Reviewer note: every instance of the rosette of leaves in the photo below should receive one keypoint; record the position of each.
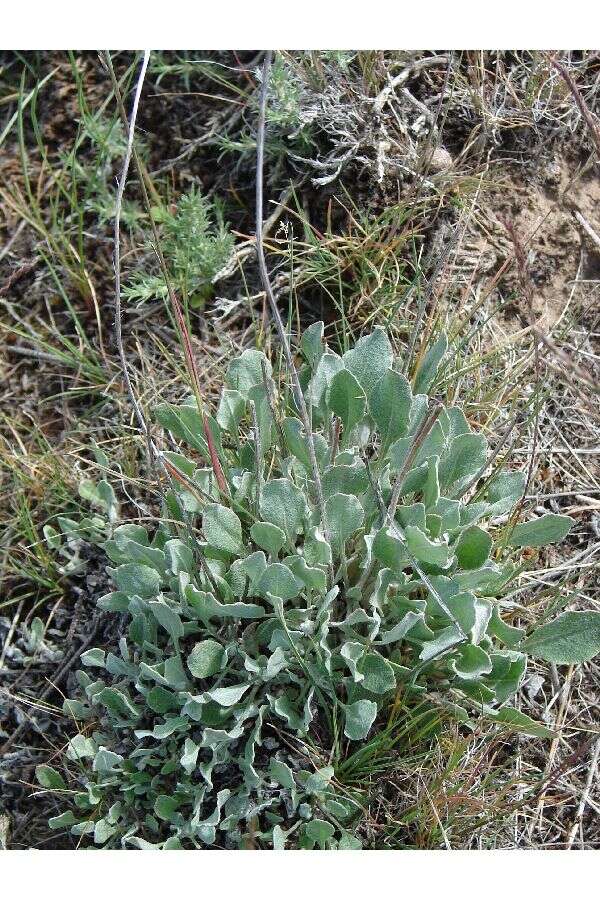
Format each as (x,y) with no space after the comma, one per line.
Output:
(279,609)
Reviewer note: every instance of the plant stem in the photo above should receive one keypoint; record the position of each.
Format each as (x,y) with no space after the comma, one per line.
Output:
(296,387)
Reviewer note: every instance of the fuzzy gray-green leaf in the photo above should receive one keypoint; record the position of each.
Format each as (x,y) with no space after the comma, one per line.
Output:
(539,532)
(168,618)
(245,371)
(424,549)
(283,504)
(206,658)
(278,581)
(344,517)
(136,579)
(231,409)
(473,547)
(268,536)
(573,637)
(50,778)
(378,674)
(465,457)
(347,399)
(520,722)
(222,529)
(370,359)
(360,715)
(311,343)
(345,479)
(430,364)
(389,406)
(184,422)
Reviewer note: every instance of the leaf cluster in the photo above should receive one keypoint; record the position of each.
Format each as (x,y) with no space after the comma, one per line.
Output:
(265,633)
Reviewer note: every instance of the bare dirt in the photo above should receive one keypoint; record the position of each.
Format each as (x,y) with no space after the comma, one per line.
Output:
(549,207)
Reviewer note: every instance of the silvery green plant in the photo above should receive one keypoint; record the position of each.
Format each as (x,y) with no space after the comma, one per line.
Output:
(295,589)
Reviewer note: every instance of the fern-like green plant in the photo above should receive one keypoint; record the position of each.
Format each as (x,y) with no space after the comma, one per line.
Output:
(196,245)
(277,612)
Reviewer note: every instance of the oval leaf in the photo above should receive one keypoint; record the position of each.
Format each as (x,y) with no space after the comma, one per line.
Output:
(347,399)
(206,659)
(344,517)
(268,536)
(473,548)
(136,579)
(223,529)
(390,405)
(369,359)
(283,504)
(574,637)
(360,715)
(539,532)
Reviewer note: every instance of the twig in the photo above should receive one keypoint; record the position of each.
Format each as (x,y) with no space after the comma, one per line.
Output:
(117,251)
(422,432)
(11,631)
(182,330)
(583,107)
(335,443)
(34,354)
(257,453)
(587,228)
(269,391)
(416,66)
(247,248)
(12,240)
(296,387)
(214,457)
(153,452)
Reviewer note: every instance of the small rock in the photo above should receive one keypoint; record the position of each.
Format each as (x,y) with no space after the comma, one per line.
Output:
(440,160)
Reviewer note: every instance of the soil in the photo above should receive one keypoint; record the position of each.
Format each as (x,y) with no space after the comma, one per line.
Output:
(542,204)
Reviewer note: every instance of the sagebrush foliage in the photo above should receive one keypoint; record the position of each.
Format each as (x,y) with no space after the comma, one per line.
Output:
(261,641)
